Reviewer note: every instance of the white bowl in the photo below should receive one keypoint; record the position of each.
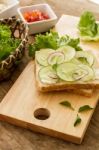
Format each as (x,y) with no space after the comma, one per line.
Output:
(10,10)
(39,26)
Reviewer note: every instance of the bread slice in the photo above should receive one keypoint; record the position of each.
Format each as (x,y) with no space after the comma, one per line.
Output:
(61,86)
(83,92)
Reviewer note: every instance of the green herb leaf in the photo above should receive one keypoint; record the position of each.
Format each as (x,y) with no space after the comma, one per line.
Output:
(77,121)
(85,108)
(67,104)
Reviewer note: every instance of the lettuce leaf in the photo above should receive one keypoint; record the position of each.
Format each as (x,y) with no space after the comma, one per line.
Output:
(7,46)
(7,43)
(5,32)
(52,40)
(88,28)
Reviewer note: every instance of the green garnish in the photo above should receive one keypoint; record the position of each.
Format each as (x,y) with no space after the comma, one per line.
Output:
(67,104)
(83,60)
(88,28)
(7,43)
(53,41)
(54,67)
(85,108)
(77,121)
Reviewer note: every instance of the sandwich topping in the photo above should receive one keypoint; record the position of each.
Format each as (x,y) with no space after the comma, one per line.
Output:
(65,64)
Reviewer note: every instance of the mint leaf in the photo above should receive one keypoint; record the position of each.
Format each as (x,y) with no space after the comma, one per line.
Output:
(77,121)
(85,108)
(67,104)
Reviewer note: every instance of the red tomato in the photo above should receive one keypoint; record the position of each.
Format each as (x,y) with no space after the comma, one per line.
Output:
(26,16)
(45,16)
(35,15)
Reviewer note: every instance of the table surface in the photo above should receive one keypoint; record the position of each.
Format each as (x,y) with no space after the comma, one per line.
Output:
(16,138)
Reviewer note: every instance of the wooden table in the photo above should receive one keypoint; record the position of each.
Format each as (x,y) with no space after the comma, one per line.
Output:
(15,138)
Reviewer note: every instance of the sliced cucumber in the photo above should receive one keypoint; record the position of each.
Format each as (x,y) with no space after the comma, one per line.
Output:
(73,72)
(75,61)
(85,57)
(68,51)
(79,73)
(87,72)
(65,71)
(42,55)
(48,75)
(56,58)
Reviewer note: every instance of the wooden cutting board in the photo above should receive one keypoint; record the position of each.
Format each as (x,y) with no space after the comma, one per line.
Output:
(25,106)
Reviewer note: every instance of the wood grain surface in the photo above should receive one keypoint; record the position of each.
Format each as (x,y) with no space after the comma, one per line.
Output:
(26,107)
(15,138)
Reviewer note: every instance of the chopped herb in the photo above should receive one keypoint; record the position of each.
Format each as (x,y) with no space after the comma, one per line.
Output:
(67,104)
(85,108)
(77,121)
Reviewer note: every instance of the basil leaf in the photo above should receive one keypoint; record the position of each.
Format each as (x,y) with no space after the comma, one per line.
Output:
(77,121)
(84,108)
(67,104)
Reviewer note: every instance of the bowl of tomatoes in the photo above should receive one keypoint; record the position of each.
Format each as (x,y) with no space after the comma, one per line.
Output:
(39,18)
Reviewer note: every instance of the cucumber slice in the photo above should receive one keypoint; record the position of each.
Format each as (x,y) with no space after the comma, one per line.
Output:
(73,72)
(48,75)
(65,71)
(56,58)
(42,55)
(68,51)
(75,61)
(85,57)
(90,75)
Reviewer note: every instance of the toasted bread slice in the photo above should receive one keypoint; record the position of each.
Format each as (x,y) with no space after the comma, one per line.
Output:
(83,92)
(61,86)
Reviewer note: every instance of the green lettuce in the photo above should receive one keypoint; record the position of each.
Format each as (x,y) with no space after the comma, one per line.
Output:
(5,32)
(7,43)
(88,28)
(52,40)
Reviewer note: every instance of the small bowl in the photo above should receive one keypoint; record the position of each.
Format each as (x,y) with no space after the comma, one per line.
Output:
(10,10)
(39,26)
